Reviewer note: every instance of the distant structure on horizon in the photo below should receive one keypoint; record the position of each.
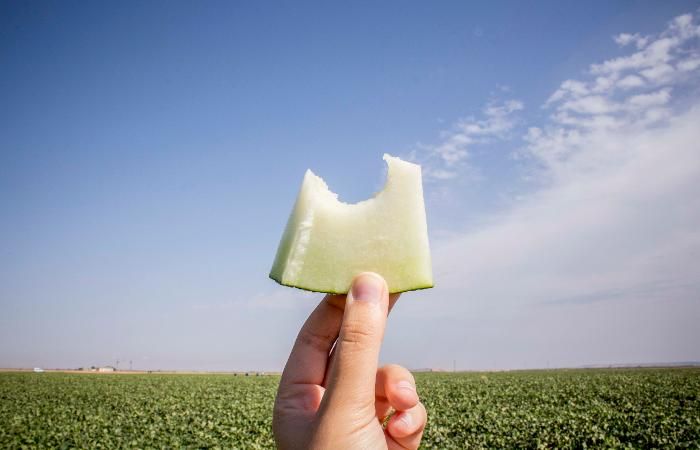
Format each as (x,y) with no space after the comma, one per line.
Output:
(106,369)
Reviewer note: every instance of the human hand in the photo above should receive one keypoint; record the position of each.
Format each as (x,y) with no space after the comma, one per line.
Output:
(334,396)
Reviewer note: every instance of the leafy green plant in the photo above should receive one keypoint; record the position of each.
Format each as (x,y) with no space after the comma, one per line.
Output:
(624,408)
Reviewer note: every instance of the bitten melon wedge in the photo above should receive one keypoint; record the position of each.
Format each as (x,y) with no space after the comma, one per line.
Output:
(328,242)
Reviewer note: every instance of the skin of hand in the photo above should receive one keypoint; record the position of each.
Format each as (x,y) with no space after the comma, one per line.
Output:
(332,395)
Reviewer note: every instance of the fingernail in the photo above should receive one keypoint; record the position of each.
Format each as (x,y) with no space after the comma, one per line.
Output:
(367,287)
(406,385)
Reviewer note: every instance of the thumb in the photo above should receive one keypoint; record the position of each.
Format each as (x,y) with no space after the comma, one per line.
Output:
(353,371)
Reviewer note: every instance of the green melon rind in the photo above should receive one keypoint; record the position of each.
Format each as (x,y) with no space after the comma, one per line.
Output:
(418,288)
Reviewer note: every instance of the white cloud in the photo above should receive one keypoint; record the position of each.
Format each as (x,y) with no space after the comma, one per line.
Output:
(630,91)
(660,97)
(448,159)
(688,65)
(598,264)
(613,240)
(630,81)
(571,88)
(658,52)
(621,210)
(626,39)
(660,59)
(658,73)
(592,104)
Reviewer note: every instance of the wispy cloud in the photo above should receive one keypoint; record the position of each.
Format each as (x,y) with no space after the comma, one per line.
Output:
(627,38)
(449,158)
(612,228)
(662,59)
(627,94)
(622,212)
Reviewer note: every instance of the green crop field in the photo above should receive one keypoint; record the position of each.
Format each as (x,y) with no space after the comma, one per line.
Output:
(634,408)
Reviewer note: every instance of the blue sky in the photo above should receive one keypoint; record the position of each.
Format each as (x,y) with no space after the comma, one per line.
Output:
(150,154)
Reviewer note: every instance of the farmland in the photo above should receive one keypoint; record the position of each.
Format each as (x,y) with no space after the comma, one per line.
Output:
(562,408)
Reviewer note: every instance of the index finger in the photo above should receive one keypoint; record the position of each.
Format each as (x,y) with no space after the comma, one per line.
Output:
(309,357)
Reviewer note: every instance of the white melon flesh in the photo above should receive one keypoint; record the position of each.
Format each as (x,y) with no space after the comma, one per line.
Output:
(328,242)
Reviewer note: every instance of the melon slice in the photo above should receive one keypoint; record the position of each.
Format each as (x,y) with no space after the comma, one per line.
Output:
(328,242)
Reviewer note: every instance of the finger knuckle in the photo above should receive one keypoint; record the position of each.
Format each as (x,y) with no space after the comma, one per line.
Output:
(357,333)
(317,341)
